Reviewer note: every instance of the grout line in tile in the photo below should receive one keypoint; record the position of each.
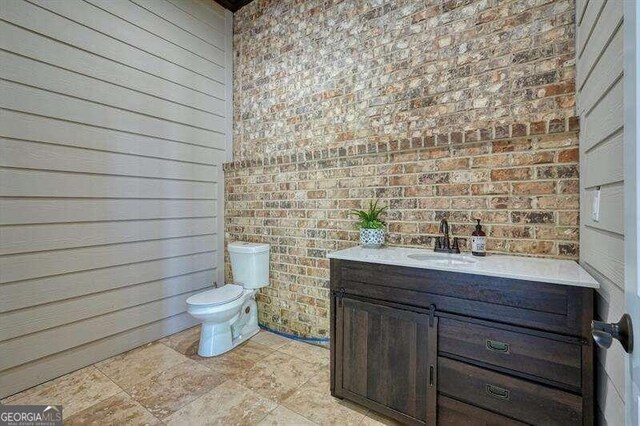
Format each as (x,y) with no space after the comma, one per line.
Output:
(267,413)
(127,393)
(196,399)
(300,414)
(133,398)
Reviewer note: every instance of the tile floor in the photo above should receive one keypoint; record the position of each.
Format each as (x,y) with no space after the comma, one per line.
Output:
(269,380)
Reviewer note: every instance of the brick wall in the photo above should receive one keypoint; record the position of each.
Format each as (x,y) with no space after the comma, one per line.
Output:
(456,109)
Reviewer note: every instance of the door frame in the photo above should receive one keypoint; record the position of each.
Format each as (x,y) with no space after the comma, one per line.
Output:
(631,58)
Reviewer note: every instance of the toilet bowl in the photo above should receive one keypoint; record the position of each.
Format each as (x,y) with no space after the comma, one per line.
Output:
(229,314)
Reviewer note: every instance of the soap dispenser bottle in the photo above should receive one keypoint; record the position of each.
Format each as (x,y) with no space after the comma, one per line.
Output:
(478,241)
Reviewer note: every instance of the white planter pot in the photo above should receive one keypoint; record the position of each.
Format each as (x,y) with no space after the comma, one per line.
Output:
(371,238)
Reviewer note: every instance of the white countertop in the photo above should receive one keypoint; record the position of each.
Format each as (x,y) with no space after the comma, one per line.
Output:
(555,271)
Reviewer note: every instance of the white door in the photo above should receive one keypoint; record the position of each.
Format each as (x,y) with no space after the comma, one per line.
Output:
(632,203)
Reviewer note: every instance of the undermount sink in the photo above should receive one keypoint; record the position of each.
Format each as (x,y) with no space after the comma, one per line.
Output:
(443,259)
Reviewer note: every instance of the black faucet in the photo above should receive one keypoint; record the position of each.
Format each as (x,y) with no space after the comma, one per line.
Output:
(443,243)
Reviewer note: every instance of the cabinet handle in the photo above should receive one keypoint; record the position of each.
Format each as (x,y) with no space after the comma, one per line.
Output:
(431,376)
(495,346)
(497,392)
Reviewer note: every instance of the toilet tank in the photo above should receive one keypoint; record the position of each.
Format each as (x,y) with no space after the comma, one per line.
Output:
(249,264)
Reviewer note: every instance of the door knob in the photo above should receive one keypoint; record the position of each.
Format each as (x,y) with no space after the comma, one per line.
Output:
(604,333)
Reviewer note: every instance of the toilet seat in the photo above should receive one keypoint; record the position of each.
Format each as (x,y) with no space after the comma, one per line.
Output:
(217,296)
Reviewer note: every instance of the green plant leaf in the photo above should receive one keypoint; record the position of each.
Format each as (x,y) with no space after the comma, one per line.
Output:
(370,218)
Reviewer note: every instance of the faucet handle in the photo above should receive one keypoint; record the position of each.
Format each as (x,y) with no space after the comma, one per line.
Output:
(437,243)
(456,247)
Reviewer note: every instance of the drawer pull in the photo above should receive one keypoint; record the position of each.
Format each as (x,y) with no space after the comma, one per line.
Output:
(495,346)
(497,392)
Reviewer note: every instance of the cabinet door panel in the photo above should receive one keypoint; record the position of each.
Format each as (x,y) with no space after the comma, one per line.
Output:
(385,353)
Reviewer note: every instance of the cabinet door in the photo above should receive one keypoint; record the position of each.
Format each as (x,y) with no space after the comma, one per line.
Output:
(384,359)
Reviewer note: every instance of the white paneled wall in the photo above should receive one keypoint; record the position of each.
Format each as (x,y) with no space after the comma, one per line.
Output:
(599,85)
(115,120)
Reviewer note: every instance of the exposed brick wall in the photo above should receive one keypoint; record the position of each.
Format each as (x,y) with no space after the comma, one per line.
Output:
(456,109)
(525,190)
(333,73)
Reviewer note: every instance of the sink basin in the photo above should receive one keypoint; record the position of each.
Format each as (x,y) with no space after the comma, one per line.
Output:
(443,259)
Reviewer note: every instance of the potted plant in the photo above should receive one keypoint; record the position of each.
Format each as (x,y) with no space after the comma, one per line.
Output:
(371,226)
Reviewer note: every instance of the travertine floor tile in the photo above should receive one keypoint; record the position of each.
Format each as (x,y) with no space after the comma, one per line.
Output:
(166,381)
(170,390)
(185,342)
(120,409)
(282,416)
(375,419)
(279,375)
(271,340)
(306,352)
(140,364)
(237,361)
(75,391)
(228,404)
(314,401)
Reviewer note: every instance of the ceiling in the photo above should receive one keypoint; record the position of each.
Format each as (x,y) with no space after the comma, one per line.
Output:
(233,5)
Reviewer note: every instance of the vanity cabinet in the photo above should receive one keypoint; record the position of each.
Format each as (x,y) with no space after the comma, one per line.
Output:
(438,347)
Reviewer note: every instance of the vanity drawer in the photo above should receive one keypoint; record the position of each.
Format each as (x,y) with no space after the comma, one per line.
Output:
(455,413)
(516,398)
(551,359)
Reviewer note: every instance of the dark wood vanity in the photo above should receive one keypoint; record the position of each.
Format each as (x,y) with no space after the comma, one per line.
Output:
(433,347)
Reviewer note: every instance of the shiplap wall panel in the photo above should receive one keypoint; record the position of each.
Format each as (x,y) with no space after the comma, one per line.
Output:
(29,238)
(605,252)
(114,122)
(45,50)
(146,20)
(61,29)
(24,126)
(587,19)
(601,79)
(37,74)
(610,151)
(602,31)
(22,376)
(39,183)
(41,264)
(580,9)
(181,19)
(37,155)
(26,321)
(21,211)
(600,91)
(29,347)
(611,208)
(18,97)
(24,294)
(125,32)
(604,119)
(212,16)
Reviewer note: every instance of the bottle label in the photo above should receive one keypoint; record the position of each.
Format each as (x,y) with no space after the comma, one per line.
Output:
(478,244)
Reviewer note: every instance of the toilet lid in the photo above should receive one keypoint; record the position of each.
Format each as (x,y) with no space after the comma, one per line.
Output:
(217,296)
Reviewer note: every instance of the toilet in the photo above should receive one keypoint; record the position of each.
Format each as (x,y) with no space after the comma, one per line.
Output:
(229,314)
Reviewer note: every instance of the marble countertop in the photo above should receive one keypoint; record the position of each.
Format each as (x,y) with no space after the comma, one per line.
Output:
(555,271)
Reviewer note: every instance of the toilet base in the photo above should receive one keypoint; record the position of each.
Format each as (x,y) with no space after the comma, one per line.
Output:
(218,338)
